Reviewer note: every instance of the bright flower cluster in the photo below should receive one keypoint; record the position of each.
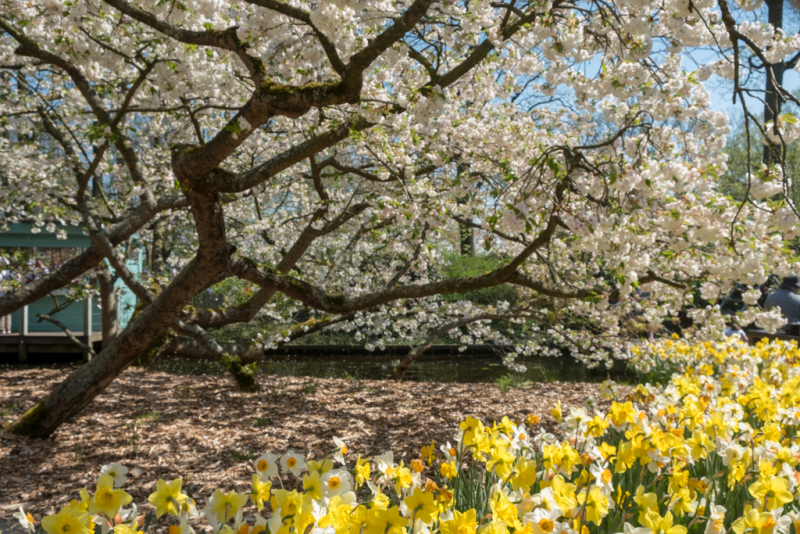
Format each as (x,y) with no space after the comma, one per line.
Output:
(713,451)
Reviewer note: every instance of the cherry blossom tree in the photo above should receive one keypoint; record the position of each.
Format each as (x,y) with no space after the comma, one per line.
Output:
(326,155)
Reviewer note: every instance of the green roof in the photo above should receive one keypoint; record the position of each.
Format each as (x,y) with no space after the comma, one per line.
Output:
(20,235)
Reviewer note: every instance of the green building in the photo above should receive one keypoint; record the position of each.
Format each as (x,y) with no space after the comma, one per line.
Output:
(73,317)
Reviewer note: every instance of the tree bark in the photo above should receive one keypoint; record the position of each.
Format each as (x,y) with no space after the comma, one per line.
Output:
(158,253)
(772,100)
(108,303)
(89,380)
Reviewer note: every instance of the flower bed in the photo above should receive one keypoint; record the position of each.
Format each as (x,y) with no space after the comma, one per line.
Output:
(712,451)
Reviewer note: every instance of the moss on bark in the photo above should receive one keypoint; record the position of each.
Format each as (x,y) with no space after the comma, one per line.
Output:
(244,375)
(29,424)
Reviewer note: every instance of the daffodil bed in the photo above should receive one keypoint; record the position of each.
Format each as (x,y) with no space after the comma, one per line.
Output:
(714,450)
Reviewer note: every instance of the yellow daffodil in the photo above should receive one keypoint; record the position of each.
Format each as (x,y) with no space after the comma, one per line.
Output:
(754,522)
(525,473)
(225,505)
(462,523)
(107,500)
(504,510)
(448,470)
(421,506)
(125,528)
(260,492)
(68,521)
(168,497)
(385,521)
(556,412)
(312,484)
(401,476)
(772,493)
(700,444)
(362,471)
(427,452)
(501,462)
(662,525)
(471,427)
(321,467)
(595,504)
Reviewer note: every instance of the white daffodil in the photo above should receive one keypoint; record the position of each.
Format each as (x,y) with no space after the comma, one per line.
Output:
(183,528)
(130,514)
(275,522)
(547,498)
(543,438)
(340,452)
(716,519)
(782,522)
(576,420)
(210,515)
(117,472)
(602,477)
(26,520)
(291,461)
(523,500)
(385,463)
(627,528)
(794,517)
(266,466)
(336,482)
(520,439)
(102,522)
(450,452)
(543,521)
(188,509)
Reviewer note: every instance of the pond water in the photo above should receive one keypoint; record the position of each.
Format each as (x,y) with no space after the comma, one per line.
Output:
(355,363)
(462,368)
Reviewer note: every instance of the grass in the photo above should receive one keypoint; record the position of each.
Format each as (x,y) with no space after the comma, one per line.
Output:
(262,421)
(149,416)
(509,381)
(244,454)
(544,373)
(6,411)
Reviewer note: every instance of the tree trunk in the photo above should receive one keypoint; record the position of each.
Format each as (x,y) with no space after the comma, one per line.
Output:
(108,303)
(89,380)
(157,256)
(772,101)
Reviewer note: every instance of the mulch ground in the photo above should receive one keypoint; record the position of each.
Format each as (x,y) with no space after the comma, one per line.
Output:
(200,428)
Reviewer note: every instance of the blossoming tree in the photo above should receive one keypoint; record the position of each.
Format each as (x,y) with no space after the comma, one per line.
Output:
(329,152)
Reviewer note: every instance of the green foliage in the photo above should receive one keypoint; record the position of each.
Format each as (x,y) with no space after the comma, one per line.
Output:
(241,455)
(462,266)
(546,376)
(511,380)
(149,416)
(734,182)
(262,421)
(660,373)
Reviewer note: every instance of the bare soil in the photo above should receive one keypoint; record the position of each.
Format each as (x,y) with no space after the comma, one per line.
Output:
(200,428)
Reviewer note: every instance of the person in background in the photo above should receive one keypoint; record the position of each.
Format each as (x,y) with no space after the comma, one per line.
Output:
(787,299)
(734,329)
